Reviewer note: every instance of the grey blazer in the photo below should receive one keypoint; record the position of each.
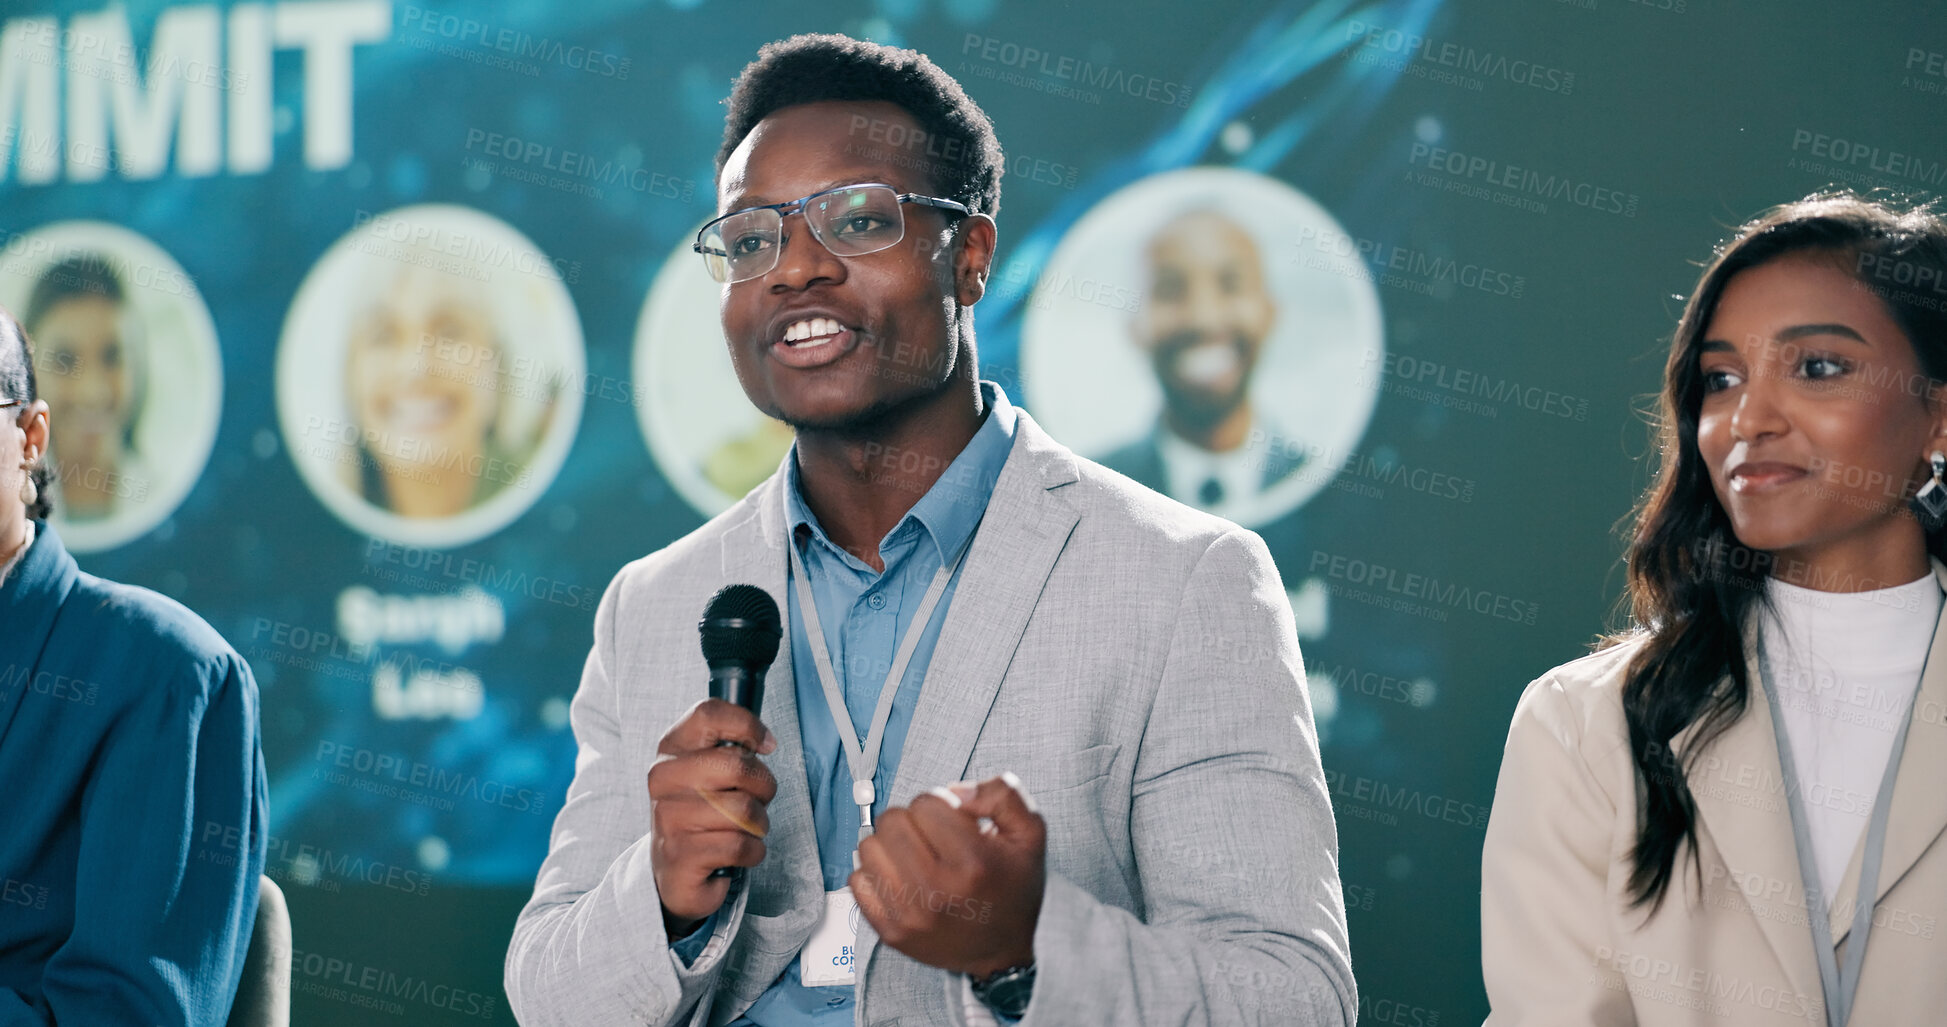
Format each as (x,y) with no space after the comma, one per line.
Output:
(1132,659)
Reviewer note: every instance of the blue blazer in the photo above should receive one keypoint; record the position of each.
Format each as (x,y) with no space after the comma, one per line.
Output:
(132,803)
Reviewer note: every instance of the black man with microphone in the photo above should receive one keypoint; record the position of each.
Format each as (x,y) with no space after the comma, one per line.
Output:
(1011,765)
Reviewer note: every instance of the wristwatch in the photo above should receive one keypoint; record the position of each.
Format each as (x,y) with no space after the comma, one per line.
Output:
(1008,991)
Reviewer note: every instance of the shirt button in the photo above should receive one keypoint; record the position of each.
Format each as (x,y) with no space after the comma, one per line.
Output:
(835,1000)
(876,600)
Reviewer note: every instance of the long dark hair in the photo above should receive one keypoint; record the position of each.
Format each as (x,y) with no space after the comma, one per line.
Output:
(1691,583)
(17,382)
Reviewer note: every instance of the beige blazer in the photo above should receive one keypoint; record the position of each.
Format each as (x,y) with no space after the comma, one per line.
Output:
(1730,946)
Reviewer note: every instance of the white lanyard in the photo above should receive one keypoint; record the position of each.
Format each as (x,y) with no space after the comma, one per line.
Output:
(1839,985)
(864,758)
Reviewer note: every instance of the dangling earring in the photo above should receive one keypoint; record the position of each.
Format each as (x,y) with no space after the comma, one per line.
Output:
(28,491)
(1930,503)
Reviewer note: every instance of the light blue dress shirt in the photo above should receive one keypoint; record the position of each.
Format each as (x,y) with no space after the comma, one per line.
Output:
(864,615)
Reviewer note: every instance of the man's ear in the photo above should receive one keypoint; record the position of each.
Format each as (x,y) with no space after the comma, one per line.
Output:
(974,259)
(33,424)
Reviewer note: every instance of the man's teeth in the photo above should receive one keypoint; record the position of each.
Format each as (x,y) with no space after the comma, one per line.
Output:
(812,328)
(1209,363)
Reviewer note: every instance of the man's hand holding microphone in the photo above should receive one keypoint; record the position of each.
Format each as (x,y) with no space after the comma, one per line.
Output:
(708,791)
(708,794)
(981,846)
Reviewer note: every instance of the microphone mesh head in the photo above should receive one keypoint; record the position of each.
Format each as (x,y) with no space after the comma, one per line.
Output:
(741,625)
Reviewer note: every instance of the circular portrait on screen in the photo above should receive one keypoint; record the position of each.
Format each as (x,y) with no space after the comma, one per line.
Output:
(1180,336)
(429,377)
(710,443)
(125,354)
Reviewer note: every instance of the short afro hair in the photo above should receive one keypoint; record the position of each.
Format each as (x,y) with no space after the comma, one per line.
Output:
(812,68)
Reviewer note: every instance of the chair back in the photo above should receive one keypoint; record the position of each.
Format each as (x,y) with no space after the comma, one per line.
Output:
(264,994)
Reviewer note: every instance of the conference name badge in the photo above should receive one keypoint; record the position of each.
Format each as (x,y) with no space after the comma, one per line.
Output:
(827,958)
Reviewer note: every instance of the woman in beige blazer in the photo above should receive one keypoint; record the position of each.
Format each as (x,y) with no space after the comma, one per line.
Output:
(1643,858)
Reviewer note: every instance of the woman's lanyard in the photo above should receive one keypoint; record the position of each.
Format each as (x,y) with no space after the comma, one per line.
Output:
(1839,985)
(864,758)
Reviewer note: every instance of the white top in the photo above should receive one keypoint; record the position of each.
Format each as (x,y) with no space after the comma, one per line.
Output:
(1845,666)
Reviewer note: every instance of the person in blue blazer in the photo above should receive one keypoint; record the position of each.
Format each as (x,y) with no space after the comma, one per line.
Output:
(132,791)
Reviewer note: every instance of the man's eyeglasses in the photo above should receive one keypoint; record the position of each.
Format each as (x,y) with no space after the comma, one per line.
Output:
(850,221)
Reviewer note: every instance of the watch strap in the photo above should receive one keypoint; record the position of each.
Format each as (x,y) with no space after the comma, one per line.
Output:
(1007,991)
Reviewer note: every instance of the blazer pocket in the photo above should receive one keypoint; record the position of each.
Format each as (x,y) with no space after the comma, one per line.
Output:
(782,934)
(1043,772)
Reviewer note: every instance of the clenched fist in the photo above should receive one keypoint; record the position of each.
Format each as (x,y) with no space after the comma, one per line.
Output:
(955,879)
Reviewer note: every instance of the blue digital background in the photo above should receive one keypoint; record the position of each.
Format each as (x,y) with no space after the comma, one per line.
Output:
(1699,112)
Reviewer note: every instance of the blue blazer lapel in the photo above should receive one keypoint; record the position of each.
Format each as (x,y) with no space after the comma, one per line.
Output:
(30,600)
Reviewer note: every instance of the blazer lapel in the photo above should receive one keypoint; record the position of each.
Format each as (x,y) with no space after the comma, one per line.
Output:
(1919,810)
(1025,527)
(1026,524)
(1739,791)
(30,599)
(789,880)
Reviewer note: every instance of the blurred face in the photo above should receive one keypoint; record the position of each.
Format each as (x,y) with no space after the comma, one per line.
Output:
(831,342)
(83,376)
(422,374)
(1816,421)
(1206,314)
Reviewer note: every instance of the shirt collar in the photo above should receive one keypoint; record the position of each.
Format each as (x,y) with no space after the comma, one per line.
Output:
(953,506)
(14,561)
(34,592)
(1186,465)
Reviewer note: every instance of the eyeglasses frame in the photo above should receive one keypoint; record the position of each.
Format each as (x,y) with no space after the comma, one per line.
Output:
(790,207)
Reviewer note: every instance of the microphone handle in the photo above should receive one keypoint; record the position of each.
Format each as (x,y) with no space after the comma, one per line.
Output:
(740,685)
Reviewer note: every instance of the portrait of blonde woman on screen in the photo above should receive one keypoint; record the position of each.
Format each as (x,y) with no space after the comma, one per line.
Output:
(1731,812)
(426,379)
(430,375)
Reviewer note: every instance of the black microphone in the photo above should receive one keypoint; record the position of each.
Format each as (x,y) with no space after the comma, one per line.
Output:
(741,630)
